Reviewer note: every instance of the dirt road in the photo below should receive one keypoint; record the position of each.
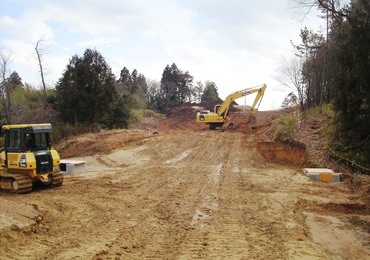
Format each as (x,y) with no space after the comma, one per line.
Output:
(202,195)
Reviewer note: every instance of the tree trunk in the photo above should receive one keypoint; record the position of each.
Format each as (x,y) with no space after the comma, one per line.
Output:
(5,87)
(8,119)
(41,71)
(76,122)
(325,61)
(5,107)
(92,126)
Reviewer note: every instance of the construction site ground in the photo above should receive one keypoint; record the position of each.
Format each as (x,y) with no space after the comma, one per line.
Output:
(172,189)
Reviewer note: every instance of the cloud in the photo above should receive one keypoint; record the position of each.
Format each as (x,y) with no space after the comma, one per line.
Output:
(154,19)
(30,27)
(99,42)
(24,60)
(235,43)
(23,53)
(55,66)
(199,59)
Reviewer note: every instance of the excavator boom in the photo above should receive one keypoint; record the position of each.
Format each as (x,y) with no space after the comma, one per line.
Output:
(220,114)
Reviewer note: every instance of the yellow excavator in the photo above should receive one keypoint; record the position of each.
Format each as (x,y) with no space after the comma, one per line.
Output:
(28,157)
(221,112)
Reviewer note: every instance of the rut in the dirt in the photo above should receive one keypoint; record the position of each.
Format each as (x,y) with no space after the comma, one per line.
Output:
(201,195)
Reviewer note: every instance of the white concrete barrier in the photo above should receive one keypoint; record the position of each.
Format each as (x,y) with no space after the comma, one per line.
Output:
(70,166)
(319,174)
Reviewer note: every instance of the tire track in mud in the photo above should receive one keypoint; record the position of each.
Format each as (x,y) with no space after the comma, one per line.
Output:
(217,199)
(165,217)
(227,229)
(201,209)
(217,231)
(221,200)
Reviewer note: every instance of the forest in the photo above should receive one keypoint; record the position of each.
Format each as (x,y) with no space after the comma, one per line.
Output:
(329,70)
(332,69)
(88,97)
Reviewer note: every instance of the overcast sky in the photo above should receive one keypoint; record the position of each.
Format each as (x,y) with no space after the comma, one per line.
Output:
(235,43)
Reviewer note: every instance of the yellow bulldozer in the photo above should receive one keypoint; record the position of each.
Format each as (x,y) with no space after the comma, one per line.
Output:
(221,112)
(28,157)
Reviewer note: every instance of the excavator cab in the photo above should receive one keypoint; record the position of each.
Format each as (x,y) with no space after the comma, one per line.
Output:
(217,107)
(28,157)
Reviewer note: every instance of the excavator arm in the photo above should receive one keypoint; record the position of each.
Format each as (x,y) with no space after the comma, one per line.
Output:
(224,109)
(221,111)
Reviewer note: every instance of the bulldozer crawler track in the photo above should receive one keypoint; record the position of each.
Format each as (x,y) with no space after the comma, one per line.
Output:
(23,182)
(57,179)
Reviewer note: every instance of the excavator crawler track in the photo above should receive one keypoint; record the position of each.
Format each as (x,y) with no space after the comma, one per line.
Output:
(16,183)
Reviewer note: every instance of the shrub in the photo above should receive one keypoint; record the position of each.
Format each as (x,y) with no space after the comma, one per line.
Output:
(285,128)
(136,116)
(326,113)
(151,113)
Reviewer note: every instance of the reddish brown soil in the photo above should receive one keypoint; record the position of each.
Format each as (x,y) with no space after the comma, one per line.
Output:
(173,189)
(282,153)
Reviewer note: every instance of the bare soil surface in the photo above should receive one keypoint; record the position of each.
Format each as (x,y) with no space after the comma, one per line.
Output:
(184,193)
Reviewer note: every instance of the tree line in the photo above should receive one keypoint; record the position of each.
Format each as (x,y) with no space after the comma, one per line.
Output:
(333,67)
(89,94)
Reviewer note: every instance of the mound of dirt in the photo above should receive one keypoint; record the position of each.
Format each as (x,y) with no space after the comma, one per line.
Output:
(99,143)
(178,119)
(183,113)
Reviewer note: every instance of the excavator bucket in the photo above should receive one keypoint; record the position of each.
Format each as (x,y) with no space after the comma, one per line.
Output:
(252,119)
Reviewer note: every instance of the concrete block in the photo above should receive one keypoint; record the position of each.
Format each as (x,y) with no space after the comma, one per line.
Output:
(326,177)
(317,170)
(70,166)
(313,176)
(336,177)
(322,174)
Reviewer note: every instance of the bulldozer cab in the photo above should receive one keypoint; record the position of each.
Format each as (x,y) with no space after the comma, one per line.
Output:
(21,139)
(27,138)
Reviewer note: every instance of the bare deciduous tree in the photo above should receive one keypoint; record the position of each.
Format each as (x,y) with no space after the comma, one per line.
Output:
(326,6)
(40,52)
(290,75)
(5,85)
